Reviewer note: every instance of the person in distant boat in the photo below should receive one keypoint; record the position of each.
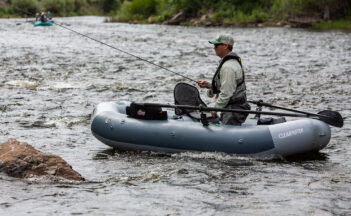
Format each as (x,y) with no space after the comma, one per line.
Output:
(228,83)
(43,17)
(37,16)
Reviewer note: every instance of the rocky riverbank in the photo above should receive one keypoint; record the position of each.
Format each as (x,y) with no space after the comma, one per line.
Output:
(307,14)
(205,20)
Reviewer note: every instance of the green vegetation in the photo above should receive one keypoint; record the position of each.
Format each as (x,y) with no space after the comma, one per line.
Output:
(110,6)
(30,6)
(337,24)
(323,14)
(136,10)
(311,13)
(12,8)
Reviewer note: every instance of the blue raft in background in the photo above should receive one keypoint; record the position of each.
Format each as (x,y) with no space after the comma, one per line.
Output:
(42,24)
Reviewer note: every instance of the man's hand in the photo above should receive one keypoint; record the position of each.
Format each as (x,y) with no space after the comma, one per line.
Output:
(203,83)
(214,114)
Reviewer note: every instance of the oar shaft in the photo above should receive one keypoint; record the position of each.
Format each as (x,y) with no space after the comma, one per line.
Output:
(261,103)
(330,117)
(201,108)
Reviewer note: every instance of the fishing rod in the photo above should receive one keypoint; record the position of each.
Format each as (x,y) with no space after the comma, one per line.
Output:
(142,59)
(115,48)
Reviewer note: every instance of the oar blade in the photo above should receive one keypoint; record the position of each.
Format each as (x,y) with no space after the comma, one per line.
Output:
(331,117)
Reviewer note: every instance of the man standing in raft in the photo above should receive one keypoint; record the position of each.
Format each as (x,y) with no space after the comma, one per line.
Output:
(228,83)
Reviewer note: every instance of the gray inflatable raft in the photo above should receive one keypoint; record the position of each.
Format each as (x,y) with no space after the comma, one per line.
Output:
(112,126)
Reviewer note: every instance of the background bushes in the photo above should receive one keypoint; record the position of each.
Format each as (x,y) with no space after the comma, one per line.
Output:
(216,11)
(25,6)
(144,8)
(57,7)
(110,6)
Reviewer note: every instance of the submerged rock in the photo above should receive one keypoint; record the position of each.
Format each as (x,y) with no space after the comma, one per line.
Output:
(21,160)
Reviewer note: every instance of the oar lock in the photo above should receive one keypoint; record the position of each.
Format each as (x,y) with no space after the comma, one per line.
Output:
(259,109)
(203,116)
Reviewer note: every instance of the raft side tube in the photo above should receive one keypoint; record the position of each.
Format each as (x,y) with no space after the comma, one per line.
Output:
(300,136)
(117,130)
(112,126)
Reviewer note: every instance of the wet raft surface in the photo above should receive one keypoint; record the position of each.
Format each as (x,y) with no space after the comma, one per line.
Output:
(51,79)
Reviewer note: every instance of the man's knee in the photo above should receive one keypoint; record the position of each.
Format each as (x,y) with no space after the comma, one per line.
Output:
(233,118)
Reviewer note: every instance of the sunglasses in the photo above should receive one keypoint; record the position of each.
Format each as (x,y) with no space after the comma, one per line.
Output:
(216,45)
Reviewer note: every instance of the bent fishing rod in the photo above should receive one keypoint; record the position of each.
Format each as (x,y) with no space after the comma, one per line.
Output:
(142,59)
(115,48)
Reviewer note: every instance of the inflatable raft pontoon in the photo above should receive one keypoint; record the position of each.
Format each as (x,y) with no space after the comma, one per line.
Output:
(43,24)
(111,125)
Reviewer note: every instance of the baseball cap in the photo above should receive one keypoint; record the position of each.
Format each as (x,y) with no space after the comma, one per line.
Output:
(222,39)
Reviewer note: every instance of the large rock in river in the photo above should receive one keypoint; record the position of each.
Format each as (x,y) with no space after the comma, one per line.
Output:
(21,160)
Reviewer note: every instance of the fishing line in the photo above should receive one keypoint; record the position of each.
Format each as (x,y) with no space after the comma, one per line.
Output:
(98,41)
(330,117)
(142,59)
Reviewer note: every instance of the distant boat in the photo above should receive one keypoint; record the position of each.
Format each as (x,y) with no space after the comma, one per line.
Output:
(43,24)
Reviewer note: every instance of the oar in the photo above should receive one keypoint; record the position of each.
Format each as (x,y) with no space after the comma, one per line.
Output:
(324,116)
(328,116)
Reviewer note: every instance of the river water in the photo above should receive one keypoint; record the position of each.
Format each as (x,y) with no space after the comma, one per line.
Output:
(52,78)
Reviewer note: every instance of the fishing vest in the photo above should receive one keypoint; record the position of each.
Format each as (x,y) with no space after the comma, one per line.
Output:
(239,96)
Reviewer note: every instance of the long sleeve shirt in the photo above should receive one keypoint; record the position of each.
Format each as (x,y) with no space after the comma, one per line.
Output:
(229,74)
